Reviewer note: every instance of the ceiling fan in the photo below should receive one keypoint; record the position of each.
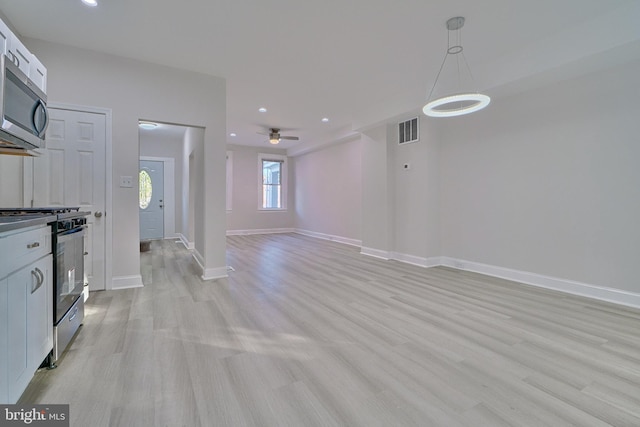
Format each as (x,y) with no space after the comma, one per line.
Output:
(275,137)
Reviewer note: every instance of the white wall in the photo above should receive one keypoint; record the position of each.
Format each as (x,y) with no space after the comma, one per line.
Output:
(135,90)
(197,221)
(548,181)
(377,194)
(401,207)
(11,182)
(328,189)
(192,147)
(416,204)
(244,214)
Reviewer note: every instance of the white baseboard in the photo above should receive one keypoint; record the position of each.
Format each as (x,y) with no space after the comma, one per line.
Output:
(339,239)
(259,231)
(415,260)
(616,296)
(209,273)
(187,244)
(376,253)
(215,273)
(126,282)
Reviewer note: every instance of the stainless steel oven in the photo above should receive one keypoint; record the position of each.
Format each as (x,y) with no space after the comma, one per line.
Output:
(69,270)
(68,303)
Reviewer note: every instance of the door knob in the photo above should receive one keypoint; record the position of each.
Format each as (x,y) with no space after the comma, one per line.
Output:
(97,214)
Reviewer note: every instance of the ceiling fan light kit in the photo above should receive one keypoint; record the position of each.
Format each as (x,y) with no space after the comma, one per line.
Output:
(275,137)
(462,102)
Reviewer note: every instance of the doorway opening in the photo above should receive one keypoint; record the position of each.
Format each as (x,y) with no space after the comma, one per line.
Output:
(163,181)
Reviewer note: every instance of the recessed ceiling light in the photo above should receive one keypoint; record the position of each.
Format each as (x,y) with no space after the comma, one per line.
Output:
(147,125)
(262,110)
(325,119)
(232,134)
(91,3)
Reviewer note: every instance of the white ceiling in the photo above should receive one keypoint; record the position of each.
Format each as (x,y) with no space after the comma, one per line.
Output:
(357,62)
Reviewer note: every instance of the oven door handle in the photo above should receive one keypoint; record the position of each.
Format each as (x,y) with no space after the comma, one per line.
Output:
(69,234)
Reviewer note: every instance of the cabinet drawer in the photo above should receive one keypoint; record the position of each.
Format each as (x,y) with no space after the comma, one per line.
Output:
(22,247)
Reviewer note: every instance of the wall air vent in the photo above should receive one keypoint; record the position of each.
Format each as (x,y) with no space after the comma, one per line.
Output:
(408,131)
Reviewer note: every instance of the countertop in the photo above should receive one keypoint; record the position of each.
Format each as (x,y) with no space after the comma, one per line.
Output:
(9,223)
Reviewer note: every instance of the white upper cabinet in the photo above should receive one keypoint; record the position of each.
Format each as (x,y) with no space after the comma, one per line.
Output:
(21,55)
(5,37)
(38,73)
(11,46)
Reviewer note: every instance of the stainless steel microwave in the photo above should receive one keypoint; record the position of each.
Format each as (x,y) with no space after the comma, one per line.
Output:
(23,111)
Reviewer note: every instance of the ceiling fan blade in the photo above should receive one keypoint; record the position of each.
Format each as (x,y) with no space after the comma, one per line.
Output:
(293,138)
(263,133)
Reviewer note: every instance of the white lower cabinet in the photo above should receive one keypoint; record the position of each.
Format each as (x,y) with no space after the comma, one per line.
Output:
(26,321)
(30,337)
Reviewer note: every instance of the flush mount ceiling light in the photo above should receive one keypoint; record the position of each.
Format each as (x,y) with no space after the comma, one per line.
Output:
(461,102)
(91,3)
(262,110)
(147,125)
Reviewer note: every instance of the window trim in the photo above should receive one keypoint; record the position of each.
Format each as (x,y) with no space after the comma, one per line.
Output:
(283,181)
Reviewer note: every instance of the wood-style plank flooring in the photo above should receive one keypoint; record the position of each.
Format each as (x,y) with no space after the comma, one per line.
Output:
(307,332)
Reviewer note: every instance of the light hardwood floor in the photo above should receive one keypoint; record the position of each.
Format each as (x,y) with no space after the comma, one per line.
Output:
(307,332)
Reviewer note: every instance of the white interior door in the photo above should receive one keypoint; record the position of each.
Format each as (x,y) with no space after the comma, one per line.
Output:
(72,172)
(151,199)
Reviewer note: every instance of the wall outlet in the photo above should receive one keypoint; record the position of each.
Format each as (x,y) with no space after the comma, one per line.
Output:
(406,166)
(126,181)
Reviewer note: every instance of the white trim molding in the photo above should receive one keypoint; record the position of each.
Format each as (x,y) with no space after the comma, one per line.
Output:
(126,282)
(284,180)
(333,238)
(601,293)
(187,244)
(376,253)
(260,231)
(616,296)
(209,273)
(415,260)
(215,273)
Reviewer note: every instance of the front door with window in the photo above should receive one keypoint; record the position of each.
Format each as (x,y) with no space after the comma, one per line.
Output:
(151,179)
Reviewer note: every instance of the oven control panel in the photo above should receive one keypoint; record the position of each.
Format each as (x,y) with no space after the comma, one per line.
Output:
(70,224)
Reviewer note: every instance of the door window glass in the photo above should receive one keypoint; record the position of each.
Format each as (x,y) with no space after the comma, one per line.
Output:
(145,189)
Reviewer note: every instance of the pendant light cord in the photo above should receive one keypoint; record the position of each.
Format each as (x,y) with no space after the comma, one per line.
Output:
(438,76)
(464,58)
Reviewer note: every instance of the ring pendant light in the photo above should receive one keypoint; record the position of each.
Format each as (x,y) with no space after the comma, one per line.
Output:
(463,102)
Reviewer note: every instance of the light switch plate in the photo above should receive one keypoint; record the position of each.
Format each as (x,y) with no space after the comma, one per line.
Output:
(126,181)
